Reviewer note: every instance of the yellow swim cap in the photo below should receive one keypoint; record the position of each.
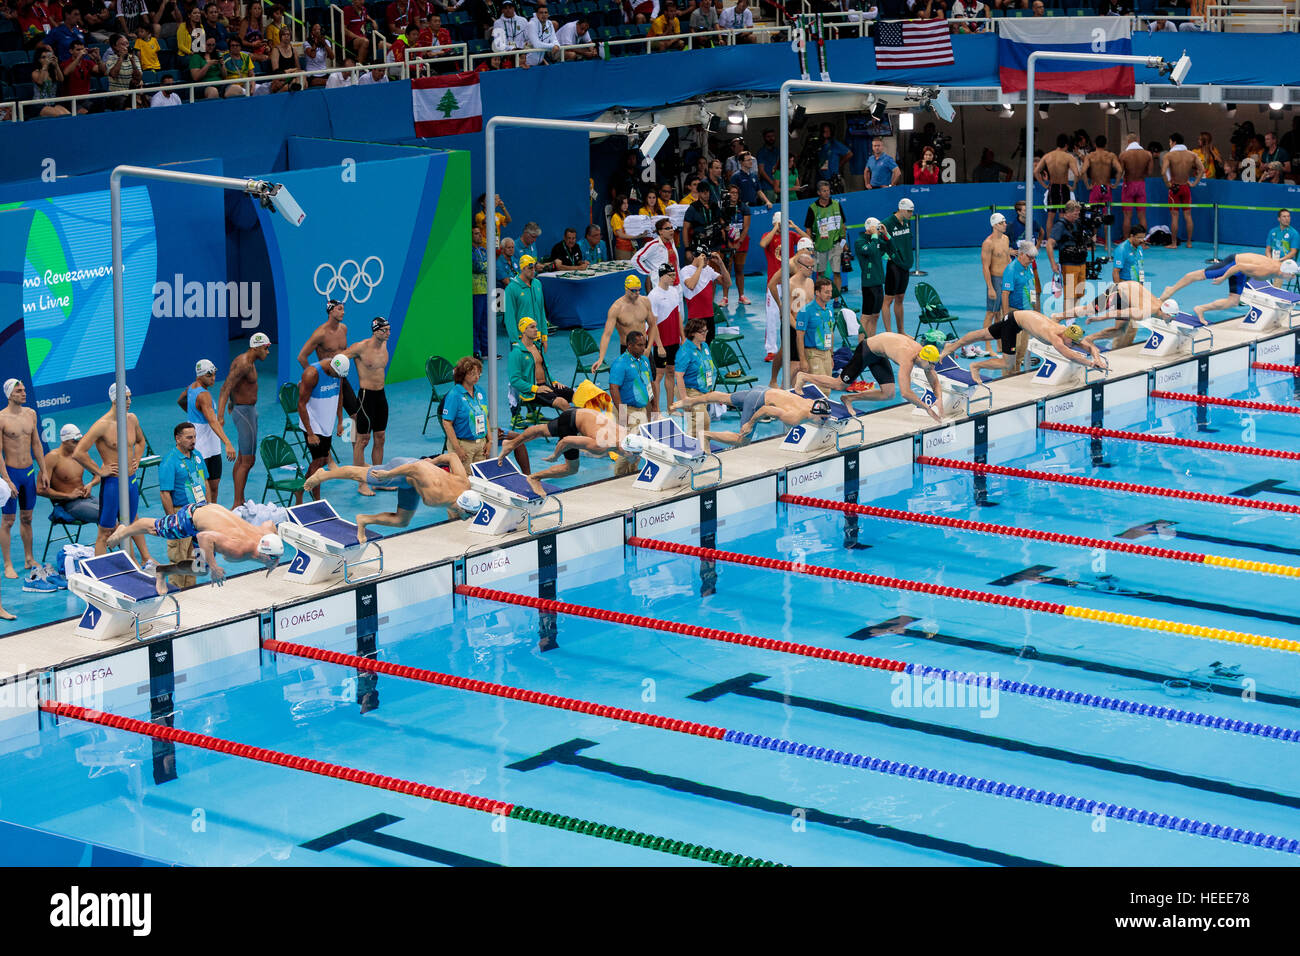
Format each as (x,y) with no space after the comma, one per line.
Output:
(631,282)
(929,354)
(527,261)
(524,323)
(1073,332)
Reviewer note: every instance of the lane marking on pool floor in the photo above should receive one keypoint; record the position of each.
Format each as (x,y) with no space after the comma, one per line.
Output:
(1227,402)
(1030,475)
(809,751)
(1022,688)
(1125,547)
(368,778)
(966,594)
(1170,440)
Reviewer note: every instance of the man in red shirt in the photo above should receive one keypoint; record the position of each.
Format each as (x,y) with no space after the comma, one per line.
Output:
(37,19)
(357,26)
(397,16)
(78,68)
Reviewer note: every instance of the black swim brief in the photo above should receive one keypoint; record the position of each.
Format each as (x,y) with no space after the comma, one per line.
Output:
(564,425)
(1005,331)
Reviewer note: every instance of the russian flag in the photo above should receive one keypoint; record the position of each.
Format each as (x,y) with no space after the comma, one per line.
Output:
(1020,36)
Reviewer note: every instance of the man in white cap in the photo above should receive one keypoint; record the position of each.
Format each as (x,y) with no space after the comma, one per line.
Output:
(25,472)
(68,491)
(801,293)
(896,233)
(239,394)
(371,359)
(1236,269)
(102,436)
(215,530)
(209,436)
(995,253)
(438,481)
(1127,303)
(319,410)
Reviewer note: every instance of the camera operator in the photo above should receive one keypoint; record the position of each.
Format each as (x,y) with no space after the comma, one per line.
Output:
(1070,240)
(925,171)
(702,231)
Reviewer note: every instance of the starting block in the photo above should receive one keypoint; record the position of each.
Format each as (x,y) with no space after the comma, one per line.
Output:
(961,393)
(814,437)
(508,499)
(1059,370)
(119,598)
(327,546)
(671,458)
(1178,335)
(1269,306)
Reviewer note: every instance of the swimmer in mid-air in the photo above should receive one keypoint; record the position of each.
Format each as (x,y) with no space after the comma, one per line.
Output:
(756,403)
(438,481)
(874,354)
(1008,329)
(1127,303)
(1236,269)
(578,430)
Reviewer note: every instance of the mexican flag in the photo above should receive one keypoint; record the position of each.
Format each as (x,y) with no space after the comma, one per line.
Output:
(445,105)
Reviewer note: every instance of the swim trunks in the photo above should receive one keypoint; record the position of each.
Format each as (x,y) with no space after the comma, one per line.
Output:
(245,417)
(873,297)
(895,278)
(1005,331)
(749,401)
(213,464)
(1134,191)
(1058,194)
(372,416)
(24,480)
(320,450)
(108,516)
(1180,194)
(879,366)
(1236,281)
(565,425)
(408,499)
(179,524)
(1099,194)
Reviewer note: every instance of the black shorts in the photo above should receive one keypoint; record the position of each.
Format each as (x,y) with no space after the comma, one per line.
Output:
(882,370)
(348,398)
(324,443)
(670,356)
(1005,331)
(546,396)
(873,297)
(564,425)
(895,279)
(213,464)
(372,416)
(1058,194)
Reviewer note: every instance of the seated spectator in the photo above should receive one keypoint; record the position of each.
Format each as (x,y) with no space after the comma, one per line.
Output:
(276,26)
(432,32)
(653,206)
(704,19)
(213,27)
(494,62)
(565,255)
(640,11)
(989,170)
(541,38)
(46,78)
(208,68)
(284,64)
(61,37)
(319,56)
(238,66)
(1195,8)
(123,70)
(358,29)
(165,95)
(507,262)
(509,31)
(131,14)
(592,246)
(36,19)
(146,48)
(78,68)
(1209,156)
(254,40)
(367,77)
(228,11)
(964,12)
(1274,161)
(739,17)
(527,245)
(407,39)
(925,171)
(1157,25)
(189,39)
(577,32)
(335,80)
(396,17)
(667,24)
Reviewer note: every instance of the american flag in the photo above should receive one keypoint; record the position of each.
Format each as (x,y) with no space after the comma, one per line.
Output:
(908,44)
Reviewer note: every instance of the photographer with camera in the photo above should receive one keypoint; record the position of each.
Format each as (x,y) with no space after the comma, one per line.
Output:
(46,78)
(825,223)
(1070,241)
(123,70)
(925,171)
(702,232)
(79,68)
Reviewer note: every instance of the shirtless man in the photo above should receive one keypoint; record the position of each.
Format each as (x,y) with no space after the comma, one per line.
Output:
(801,293)
(630,312)
(756,403)
(25,470)
(215,530)
(1183,170)
(438,481)
(370,357)
(68,491)
(578,430)
(328,340)
(1007,330)
(239,394)
(1236,268)
(103,438)
(1136,165)
(995,253)
(1127,303)
(1053,173)
(1100,168)
(875,353)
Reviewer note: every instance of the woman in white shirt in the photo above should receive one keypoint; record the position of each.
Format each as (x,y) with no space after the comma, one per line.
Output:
(318,55)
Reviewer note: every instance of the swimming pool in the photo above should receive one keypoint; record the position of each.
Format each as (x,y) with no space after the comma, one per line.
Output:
(1046,738)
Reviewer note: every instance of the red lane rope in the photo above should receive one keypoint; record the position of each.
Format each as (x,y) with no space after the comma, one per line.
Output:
(1227,402)
(982,469)
(1271,367)
(305,764)
(1170,440)
(674,627)
(496,690)
(1011,531)
(839,574)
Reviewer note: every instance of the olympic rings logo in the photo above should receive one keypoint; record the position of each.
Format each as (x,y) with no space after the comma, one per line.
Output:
(344,281)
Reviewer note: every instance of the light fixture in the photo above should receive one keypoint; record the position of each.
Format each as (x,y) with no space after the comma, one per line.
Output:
(1176,71)
(877,109)
(906,121)
(1276,107)
(1230,109)
(1111,107)
(1042,111)
(1166,108)
(707,116)
(276,198)
(1007,111)
(653,141)
(737,120)
(798,119)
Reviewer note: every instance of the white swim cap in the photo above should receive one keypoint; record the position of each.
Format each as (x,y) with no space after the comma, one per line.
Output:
(1169,307)
(1290,267)
(872,222)
(204,367)
(69,432)
(804,244)
(907,204)
(258,340)
(271,546)
(10,385)
(633,444)
(996,218)
(112,392)
(341,365)
(469,502)
(776,218)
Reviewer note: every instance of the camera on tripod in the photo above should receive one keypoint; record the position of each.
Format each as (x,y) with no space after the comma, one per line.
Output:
(1091,221)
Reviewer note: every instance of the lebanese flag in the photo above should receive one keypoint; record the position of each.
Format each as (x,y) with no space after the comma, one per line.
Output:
(446,105)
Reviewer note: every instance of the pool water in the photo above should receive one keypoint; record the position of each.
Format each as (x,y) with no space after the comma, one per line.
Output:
(1005,778)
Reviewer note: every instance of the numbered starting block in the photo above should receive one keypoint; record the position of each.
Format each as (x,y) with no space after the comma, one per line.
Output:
(1179,335)
(509,500)
(837,431)
(961,393)
(327,546)
(1056,369)
(671,458)
(120,598)
(1269,306)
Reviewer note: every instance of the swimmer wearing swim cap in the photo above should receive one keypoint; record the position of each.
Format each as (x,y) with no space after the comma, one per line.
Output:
(239,396)
(1125,304)
(878,354)
(25,470)
(1006,332)
(630,312)
(320,409)
(437,481)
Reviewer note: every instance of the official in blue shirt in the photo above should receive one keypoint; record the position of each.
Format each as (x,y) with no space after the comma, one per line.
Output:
(1018,280)
(182,481)
(1128,257)
(817,322)
(881,169)
(465,413)
(1283,241)
(507,263)
(631,386)
(696,373)
(592,247)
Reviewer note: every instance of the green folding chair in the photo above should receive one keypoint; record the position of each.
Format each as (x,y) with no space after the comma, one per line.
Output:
(278,457)
(731,338)
(149,461)
(933,312)
(585,347)
(439,372)
(731,374)
(289,405)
